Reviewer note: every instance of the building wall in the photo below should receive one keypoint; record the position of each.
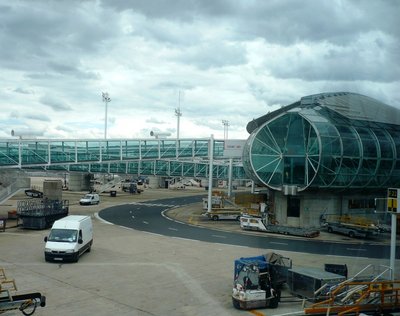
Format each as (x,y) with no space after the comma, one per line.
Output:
(313,205)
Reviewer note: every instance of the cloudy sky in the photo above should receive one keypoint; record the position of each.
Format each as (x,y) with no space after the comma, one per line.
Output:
(229,60)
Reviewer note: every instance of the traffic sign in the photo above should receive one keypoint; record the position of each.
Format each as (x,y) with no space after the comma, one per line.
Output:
(392,201)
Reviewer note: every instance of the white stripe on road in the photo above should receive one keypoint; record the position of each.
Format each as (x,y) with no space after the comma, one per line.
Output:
(278,243)
(218,236)
(171,228)
(144,222)
(356,249)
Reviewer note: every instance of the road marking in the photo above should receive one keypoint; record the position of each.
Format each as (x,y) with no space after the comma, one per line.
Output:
(278,243)
(171,228)
(356,249)
(257,313)
(133,217)
(218,236)
(150,204)
(144,222)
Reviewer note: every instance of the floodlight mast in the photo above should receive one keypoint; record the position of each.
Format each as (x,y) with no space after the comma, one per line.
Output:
(178,114)
(106,100)
(226,125)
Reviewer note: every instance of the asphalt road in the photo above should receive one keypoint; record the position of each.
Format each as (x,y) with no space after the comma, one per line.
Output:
(148,216)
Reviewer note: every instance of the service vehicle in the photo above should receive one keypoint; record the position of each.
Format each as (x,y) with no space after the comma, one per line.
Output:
(34,193)
(217,215)
(258,280)
(248,222)
(69,238)
(352,226)
(90,199)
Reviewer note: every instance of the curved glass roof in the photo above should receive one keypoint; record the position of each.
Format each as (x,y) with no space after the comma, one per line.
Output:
(331,140)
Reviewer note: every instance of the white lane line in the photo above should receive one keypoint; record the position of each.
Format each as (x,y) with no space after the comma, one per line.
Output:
(278,243)
(218,236)
(144,222)
(356,249)
(171,228)
(133,217)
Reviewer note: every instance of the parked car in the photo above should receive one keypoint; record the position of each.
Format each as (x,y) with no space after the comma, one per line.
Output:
(90,199)
(34,193)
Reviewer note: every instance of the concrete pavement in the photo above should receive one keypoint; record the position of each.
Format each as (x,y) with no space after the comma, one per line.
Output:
(130,272)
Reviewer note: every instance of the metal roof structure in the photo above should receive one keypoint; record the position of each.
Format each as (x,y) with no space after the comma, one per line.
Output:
(330,140)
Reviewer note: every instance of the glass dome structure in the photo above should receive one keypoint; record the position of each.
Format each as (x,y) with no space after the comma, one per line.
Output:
(326,141)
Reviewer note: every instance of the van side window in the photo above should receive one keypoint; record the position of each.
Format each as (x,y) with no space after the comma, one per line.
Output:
(80,234)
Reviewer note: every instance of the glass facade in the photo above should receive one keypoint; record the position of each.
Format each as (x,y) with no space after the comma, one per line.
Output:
(326,141)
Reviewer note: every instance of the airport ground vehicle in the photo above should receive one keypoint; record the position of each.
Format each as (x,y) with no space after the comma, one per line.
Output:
(258,280)
(131,187)
(262,224)
(34,193)
(217,215)
(352,226)
(69,238)
(90,199)
(10,300)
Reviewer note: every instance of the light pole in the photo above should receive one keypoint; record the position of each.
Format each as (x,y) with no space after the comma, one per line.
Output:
(226,125)
(106,100)
(178,114)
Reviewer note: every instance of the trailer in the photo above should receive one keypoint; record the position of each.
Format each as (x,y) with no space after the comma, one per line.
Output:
(262,224)
(217,215)
(352,226)
(10,300)
(258,281)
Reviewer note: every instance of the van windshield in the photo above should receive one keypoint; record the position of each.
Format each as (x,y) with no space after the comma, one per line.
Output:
(88,196)
(63,235)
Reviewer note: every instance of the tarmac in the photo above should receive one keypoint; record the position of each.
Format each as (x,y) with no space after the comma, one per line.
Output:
(130,272)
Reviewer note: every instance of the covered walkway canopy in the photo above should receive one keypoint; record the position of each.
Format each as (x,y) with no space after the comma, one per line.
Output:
(164,157)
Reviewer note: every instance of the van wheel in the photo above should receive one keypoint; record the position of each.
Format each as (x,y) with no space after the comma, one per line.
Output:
(330,229)
(351,234)
(215,218)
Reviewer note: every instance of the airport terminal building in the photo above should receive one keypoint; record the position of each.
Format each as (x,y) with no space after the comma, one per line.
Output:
(336,153)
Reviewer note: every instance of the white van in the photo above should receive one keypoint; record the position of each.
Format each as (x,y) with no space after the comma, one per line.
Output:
(89,199)
(69,238)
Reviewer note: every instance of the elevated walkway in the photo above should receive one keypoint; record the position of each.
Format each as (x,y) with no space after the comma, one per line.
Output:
(163,157)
